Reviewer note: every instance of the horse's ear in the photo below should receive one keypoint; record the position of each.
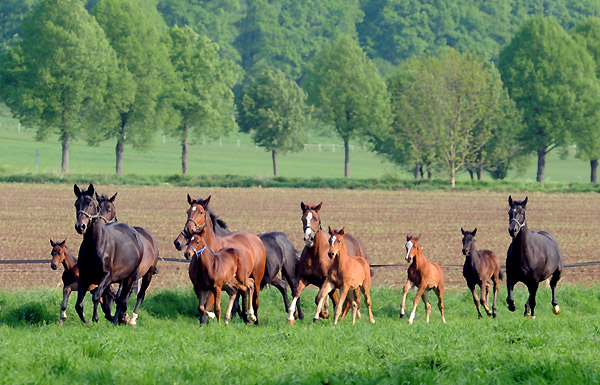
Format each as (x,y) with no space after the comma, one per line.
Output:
(52,243)
(524,202)
(76,190)
(418,238)
(330,231)
(342,231)
(318,207)
(510,201)
(90,191)
(190,200)
(96,195)
(408,237)
(63,242)
(302,206)
(474,231)
(462,231)
(112,199)
(205,203)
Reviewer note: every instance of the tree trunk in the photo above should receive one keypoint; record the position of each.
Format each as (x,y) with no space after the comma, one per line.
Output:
(541,164)
(346,159)
(64,166)
(274,154)
(480,171)
(470,171)
(453,178)
(416,172)
(119,150)
(594,169)
(184,149)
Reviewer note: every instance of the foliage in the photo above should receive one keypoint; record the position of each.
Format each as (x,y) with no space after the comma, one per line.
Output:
(551,78)
(201,93)
(446,109)
(348,91)
(11,15)
(56,78)
(274,110)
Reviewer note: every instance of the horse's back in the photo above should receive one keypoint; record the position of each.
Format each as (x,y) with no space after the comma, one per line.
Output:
(354,246)
(249,244)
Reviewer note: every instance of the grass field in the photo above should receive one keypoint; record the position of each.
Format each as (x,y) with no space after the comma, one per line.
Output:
(235,155)
(169,347)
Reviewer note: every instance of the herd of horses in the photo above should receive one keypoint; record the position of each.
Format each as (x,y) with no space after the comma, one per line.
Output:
(242,263)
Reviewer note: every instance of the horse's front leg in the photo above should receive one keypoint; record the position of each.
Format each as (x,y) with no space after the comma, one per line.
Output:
(495,297)
(105,281)
(217,294)
(338,308)
(407,286)
(298,290)
(121,312)
(202,296)
(485,289)
(475,298)
(530,304)
(510,285)
(63,307)
(233,294)
(326,288)
(553,282)
(81,291)
(416,302)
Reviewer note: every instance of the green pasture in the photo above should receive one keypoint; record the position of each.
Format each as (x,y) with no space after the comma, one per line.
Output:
(235,155)
(169,346)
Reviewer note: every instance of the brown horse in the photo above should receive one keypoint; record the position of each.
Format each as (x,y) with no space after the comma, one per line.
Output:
(247,243)
(480,266)
(111,253)
(425,276)
(345,273)
(315,262)
(62,255)
(211,272)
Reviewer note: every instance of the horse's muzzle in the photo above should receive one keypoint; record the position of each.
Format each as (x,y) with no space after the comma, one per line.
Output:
(513,232)
(53,266)
(80,228)
(177,244)
(408,259)
(186,255)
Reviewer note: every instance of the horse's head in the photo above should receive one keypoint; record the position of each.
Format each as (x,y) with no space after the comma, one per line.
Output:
(196,220)
(58,253)
(196,243)
(468,240)
(412,247)
(106,208)
(516,216)
(336,240)
(86,208)
(311,222)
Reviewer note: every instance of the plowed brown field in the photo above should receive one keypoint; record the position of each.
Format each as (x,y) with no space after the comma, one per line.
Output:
(31,214)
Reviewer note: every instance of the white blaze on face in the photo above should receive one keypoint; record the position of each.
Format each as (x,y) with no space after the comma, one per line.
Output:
(332,240)
(193,208)
(409,246)
(308,230)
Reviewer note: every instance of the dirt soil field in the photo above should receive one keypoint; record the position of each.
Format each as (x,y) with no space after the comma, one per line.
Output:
(31,214)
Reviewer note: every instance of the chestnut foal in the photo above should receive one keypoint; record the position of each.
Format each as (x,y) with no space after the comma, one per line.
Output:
(425,276)
(480,266)
(62,255)
(212,272)
(345,273)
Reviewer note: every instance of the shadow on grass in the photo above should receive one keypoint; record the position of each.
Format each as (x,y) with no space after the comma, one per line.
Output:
(32,313)
(172,304)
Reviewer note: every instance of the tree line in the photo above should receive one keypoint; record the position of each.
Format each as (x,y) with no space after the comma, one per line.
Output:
(432,87)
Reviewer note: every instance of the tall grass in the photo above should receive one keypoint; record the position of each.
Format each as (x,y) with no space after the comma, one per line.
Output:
(169,346)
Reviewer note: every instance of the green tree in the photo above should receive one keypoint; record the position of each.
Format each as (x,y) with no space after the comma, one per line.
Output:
(12,13)
(274,110)
(587,33)
(446,108)
(144,70)
(56,78)
(346,88)
(550,77)
(202,95)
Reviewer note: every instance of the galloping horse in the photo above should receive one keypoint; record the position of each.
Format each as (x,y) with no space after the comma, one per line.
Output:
(114,253)
(425,276)
(211,272)
(62,255)
(479,267)
(247,243)
(345,273)
(314,261)
(532,257)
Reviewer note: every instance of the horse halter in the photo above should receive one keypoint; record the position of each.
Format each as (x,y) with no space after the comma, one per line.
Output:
(197,252)
(198,227)
(308,225)
(88,215)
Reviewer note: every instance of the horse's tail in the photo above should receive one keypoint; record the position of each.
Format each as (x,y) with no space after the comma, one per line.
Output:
(500,275)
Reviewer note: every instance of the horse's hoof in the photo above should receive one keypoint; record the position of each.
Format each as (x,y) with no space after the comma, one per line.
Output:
(494,315)
(315,320)
(512,307)
(556,309)
(402,314)
(373,321)
(61,321)
(410,322)
(290,321)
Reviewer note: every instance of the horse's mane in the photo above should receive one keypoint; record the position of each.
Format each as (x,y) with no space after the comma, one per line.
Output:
(219,225)
(102,198)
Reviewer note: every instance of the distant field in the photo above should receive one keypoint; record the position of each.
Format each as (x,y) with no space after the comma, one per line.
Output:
(235,155)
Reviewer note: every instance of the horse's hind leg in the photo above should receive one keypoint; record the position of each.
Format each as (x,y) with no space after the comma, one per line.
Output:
(530,304)
(510,285)
(427,306)
(79,304)
(553,282)
(121,313)
(495,279)
(405,290)
(485,296)
(439,291)
(141,294)
(296,291)
(63,307)
(281,285)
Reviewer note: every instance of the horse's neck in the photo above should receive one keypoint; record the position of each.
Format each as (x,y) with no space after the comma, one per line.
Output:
(474,256)
(94,233)
(320,242)
(524,238)
(208,260)
(212,240)
(420,259)
(70,261)
(342,256)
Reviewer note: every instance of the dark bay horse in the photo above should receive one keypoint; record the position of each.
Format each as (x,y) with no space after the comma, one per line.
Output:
(425,276)
(111,253)
(348,274)
(532,257)
(281,256)
(314,261)
(479,267)
(247,243)
(212,272)
(70,276)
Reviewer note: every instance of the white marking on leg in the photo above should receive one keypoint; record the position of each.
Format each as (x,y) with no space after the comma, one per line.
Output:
(412,316)
(63,314)
(556,309)
(292,309)
(133,318)
(211,314)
